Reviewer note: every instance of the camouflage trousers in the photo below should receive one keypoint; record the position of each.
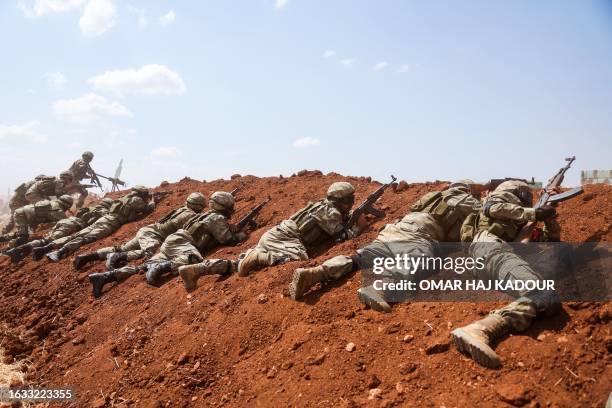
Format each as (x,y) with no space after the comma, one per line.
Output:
(60,233)
(503,264)
(416,234)
(281,243)
(178,249)
(100,229)
(146,242)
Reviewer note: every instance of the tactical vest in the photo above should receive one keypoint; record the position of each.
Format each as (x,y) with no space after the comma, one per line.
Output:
(198,229)
(46,186)
(90,215)
(504,229)
(436,204)
(78,169)
(122,207)
(167,225)
(310,232)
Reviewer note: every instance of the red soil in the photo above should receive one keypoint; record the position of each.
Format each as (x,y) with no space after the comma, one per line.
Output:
(243,342)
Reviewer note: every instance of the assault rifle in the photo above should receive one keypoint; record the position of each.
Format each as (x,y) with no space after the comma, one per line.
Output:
(94,177)
(367,206)
(549,196)
(250,216)
(236,190)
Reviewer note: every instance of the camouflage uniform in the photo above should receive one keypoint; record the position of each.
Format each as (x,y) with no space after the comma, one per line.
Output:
(61,230)
(32,215)
(435,217)
(45,189)
(128,208)
(18,200)
(501,220)
(318,223)
(202,233)
(81,170)
(148,239)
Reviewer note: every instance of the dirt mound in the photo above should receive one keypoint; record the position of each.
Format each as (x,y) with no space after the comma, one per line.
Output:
(242,341)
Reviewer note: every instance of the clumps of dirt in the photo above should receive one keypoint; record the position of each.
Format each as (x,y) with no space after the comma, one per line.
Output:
(222,345)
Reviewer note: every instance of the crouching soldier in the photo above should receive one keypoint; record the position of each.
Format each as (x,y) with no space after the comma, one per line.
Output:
(435,217)
(506,210)
(131,207)
(318,223)
(62,229)
(201,234)
(18,200)
(148,239)
(32,215)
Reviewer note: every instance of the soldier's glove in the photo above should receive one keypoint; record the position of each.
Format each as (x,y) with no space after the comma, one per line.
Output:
(545,212)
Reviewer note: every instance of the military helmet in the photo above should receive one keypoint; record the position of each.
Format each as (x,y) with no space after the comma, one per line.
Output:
(87,156)
(106,202)
(465,183)
(341,191)
(221,201)
(67,174)
(196,201)
(140,189)
(519,188)
(66,200)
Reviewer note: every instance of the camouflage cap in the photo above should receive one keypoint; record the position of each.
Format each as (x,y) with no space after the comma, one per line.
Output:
(87,156)
(67,174)
(221,201)
(66,200)
(140,189)
(340,190)
(106,202)
(463,183)
(512,185)
(196,201)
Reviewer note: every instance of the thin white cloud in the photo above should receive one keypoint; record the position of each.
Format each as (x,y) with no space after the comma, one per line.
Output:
(28,130)
(404,68)
(98,17)
(306,142)
(149,79)
(88,107)
(279,4)
(132,132)
(56,80)
(141,16)
(380,66)
(348,62)
(165,152)
(168,18)
(329,53)
(40,8)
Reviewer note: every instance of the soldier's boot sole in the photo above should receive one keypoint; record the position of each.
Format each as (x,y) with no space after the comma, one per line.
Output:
(98,281)
(253,261)
(53,256)
(368,296)
(190,275)
(303,280)
(479,350)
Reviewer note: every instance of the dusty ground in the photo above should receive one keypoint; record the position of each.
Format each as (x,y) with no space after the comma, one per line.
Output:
(243,342)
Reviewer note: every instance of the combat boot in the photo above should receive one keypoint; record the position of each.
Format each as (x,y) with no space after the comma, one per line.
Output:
(190,275)
(4,238)
(55,256)
(82,260)
(477,338)
(371,297)
(155,271)
(114,259)
(39,252)
(21,239)
(98,280)
(17,254)
(304,279)
(253,261)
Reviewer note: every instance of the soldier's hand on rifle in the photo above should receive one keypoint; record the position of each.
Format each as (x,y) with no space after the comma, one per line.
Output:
(545,212)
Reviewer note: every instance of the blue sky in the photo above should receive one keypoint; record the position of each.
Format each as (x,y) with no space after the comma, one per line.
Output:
(424,90)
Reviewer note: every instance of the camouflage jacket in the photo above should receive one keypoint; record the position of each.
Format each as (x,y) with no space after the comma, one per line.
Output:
(211,229)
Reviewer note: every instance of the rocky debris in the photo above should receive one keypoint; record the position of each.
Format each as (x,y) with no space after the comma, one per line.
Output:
(401,186)
(438,345)
(608,343)
(407,368)
(514,394)
(374,393)
(262,298)
(272,372)
(393,328)
(373,381)
(78,340)
(183,358)
(235,176)
(350,347)
(408,338)
(317,360)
